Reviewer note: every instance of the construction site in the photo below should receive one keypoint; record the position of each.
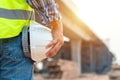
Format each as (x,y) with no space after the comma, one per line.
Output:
(84,56)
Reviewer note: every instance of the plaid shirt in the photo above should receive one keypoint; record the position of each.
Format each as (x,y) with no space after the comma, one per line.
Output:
(46,9)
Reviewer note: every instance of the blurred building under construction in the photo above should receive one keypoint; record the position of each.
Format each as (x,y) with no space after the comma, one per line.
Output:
(84,48)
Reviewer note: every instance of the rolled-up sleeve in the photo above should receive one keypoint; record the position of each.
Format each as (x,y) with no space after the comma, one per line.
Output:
(46,9)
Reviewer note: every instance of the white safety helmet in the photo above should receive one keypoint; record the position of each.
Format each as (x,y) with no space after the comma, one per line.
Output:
(39,37)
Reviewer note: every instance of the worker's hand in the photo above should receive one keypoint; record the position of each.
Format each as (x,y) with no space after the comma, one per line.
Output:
(57,33)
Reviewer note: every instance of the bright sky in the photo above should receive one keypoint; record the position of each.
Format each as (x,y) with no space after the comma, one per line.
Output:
(103,17)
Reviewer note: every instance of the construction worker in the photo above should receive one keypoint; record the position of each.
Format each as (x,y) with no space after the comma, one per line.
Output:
(14,15)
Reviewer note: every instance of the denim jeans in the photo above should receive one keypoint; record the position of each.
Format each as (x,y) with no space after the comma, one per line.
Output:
(13,64)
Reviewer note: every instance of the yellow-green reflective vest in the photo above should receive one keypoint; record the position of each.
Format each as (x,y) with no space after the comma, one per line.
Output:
(14,15)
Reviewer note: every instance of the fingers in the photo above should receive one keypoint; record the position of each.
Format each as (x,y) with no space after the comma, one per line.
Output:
(51,44)
(53,51)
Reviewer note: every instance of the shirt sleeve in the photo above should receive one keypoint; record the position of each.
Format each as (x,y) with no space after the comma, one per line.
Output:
(46,9)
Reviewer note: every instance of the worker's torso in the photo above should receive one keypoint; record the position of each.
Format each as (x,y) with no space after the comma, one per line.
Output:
(14,14)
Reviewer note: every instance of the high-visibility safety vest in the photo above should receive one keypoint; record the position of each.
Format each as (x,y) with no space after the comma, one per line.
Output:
(14,15)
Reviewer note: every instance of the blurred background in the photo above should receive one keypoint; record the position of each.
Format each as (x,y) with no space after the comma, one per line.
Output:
(103,17)
(92,49)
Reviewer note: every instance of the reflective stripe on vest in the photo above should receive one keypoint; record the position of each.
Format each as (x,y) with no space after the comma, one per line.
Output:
(16,14)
